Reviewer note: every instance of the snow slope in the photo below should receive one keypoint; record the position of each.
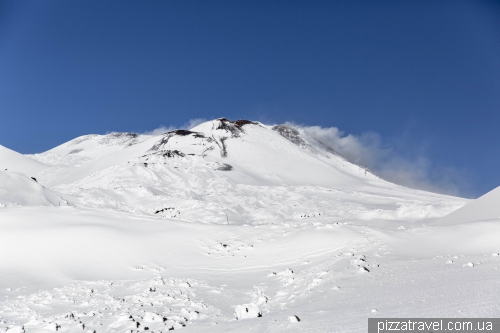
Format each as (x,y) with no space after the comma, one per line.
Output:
(14,161)
(229,227)
(19,190)
(90,147)
(109,271)
(487,207)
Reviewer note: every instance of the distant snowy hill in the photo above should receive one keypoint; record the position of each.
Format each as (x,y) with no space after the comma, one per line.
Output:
(230,226)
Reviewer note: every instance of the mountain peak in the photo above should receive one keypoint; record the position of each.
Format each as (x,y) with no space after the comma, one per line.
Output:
(224,126)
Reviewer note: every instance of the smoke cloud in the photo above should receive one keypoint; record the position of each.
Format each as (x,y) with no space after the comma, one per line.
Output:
(370,151)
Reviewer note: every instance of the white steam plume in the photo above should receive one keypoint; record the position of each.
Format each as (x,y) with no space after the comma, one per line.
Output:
(368,150)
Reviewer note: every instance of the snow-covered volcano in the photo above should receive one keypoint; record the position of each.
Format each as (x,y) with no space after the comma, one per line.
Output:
(221,170)
(256,154)
(230,220)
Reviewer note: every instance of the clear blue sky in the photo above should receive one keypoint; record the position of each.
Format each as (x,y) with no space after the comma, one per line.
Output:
(425,75)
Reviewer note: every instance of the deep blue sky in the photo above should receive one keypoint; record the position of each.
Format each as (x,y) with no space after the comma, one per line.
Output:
(425,75)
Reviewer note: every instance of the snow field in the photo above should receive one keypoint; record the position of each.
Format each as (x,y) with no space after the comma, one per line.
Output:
(232,226)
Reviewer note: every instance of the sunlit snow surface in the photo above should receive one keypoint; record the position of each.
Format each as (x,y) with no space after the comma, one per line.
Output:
(230,227)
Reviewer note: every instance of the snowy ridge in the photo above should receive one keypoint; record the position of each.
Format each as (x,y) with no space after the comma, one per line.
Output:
(95,146)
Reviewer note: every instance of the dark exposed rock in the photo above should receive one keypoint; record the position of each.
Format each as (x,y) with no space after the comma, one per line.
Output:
(239,123)
(172,153)
(291,134)
(234,127)
(119,138)
(123,135)
(164,210)
(166,137)
(182,132)
(230,127)
(224,167)
(223,151)
(222,146)
(163,153)
(118,135)
(242,122)
(161,143)
(81,139)
(74,151)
